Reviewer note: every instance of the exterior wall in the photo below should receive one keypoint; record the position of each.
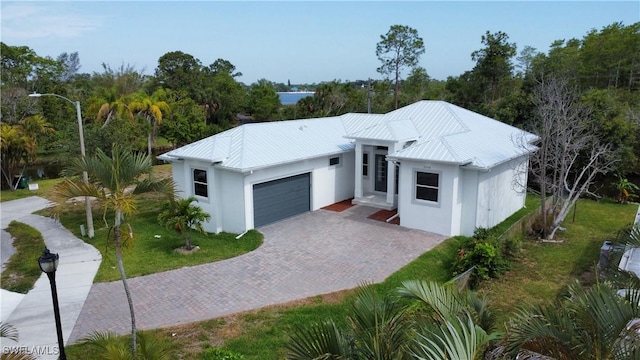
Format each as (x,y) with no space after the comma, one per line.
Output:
(442,217)
(231,200)
(329,184)
(500,193)
(469,181)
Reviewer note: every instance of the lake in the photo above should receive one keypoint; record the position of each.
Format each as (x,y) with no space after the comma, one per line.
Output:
(290,98)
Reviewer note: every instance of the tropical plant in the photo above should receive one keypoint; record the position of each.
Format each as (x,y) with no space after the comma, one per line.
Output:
(626,189)
(115,182)
(8,331)
(184,217)
(152,110)
(595,323)
(376,330)
(114,347)
(19,145)
(444,323)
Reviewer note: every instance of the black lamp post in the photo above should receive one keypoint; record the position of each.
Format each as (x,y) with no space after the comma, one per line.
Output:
(49,264)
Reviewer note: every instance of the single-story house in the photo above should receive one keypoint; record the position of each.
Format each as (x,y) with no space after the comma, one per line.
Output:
(446,170)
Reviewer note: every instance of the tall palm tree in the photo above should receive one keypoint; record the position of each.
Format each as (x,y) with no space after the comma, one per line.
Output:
(184,217)
(152,110)
(108,104)
(115,182)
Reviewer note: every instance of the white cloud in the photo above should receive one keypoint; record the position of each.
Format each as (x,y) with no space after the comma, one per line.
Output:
(23,21)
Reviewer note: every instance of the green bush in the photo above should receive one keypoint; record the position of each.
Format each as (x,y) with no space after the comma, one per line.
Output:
(511,246)
(485,253)
(220,354)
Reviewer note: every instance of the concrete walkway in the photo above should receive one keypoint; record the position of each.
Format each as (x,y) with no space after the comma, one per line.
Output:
(32,314)
(314,253)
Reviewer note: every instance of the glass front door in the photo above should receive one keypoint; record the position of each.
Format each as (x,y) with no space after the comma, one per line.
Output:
(381,173)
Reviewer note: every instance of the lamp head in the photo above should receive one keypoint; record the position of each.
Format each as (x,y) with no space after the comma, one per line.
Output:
(48,261)
(35,95)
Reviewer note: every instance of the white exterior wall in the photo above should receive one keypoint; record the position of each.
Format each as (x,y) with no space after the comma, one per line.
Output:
(329,184)
(230,188)
(500,194)
(469,181)
(442,218)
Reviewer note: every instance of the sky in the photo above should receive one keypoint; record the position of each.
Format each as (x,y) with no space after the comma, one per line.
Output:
(297,41)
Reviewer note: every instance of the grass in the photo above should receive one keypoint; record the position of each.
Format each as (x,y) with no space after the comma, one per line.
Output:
(543,271)
(44,187)
(152,248)
(22,270)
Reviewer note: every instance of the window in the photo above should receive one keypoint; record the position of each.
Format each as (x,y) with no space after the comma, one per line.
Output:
(365,164)
(427,185)
(200,186)
(334,161)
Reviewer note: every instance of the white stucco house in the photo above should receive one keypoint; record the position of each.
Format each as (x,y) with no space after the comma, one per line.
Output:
(447,170)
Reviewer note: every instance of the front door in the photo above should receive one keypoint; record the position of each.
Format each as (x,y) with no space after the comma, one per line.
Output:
(381,173)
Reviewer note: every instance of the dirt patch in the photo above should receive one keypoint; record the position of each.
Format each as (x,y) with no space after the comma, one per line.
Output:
(184,251)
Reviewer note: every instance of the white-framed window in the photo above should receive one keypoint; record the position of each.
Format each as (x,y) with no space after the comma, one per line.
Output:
(365,164)
(427,186)
(200,184)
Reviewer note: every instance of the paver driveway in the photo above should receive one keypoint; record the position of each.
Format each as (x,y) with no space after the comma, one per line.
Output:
(311,254)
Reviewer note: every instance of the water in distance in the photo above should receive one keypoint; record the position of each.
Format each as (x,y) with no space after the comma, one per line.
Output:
(290,98)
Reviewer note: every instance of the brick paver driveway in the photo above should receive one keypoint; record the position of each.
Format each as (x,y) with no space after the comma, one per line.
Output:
(311,254)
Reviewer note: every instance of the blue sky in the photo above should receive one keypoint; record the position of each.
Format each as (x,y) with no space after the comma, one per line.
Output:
(301,41)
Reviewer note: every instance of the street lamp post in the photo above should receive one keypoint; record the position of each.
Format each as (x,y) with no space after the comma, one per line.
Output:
(85,176)
(49,264)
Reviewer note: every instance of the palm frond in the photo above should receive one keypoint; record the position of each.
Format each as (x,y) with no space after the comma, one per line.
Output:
(459,339)
(321,341)
(8,331)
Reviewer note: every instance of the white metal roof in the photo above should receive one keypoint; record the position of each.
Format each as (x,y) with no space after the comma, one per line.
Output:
(444,133)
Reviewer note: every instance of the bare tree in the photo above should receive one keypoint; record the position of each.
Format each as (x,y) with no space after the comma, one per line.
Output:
(569,155)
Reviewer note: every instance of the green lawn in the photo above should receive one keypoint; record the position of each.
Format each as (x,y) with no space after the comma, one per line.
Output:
(152,248)
(22,269)
(44,186)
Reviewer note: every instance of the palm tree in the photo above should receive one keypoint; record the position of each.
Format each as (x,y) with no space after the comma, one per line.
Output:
(152,110)
(115,183)
(114,347)
(377,329)
(444,323)
(184,217)
(19,145)
(596,323)
(108,104)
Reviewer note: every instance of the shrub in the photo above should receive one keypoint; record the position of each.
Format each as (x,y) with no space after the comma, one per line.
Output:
(220,354)
(484,254)
(511,246)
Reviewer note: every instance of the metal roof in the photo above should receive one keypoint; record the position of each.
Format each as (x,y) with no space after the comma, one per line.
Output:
(443,133)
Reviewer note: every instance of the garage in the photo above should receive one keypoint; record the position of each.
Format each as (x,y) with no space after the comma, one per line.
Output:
(282,198)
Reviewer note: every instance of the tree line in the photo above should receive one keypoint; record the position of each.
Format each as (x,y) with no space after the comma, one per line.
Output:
(185,100)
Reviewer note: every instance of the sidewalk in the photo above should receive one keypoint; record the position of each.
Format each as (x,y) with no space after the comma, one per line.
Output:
(32,314)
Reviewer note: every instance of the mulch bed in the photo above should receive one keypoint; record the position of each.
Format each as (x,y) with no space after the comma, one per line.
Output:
(339,206)
(383,215)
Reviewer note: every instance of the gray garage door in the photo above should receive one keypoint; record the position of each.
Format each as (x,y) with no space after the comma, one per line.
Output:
(279,199)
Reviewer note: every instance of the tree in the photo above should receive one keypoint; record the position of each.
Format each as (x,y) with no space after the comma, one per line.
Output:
(224,66)
(569,155)
(493,63)
(19,145)
(152,109)
(415,86)
(115,182)
(263,102)
(401,47)
(186,121)
(183,216)
(70,65)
